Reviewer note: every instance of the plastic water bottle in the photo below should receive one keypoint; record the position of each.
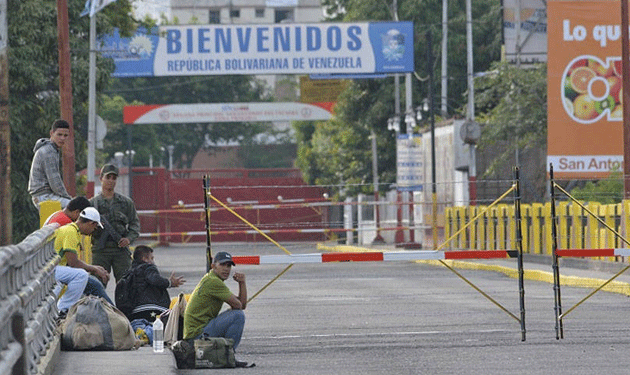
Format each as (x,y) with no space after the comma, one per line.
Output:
(158,335)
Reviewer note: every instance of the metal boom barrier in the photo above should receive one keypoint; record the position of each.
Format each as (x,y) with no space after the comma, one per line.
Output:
(440,255)
(559,252)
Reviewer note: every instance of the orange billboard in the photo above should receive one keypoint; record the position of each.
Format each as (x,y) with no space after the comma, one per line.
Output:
(585,129)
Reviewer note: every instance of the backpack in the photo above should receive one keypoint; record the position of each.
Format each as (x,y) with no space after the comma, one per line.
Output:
(214,352)
(125,293)
(206,352)
(92,323)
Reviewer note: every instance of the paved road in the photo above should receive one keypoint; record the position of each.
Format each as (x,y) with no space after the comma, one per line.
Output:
(392,318)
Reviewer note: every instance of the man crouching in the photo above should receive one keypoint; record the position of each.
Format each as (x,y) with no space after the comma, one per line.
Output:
(202,311)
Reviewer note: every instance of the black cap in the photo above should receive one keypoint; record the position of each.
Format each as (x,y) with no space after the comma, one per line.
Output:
(108,169)
(223,257)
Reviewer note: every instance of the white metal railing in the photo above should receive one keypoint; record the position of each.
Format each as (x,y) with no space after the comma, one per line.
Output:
(27,304)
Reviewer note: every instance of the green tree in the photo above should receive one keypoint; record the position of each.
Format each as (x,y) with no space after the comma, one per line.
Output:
(605,191)
(512,106)
(34,82)
(367,104)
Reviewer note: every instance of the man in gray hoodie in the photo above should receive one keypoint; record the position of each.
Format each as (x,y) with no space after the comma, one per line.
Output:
(44,181)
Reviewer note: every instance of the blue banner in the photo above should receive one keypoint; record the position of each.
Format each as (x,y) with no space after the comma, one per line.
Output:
(322,48)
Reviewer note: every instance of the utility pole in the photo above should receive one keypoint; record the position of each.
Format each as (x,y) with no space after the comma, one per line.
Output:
(6,223)
(433,164)
(65,93)
(91,109)
(470,112)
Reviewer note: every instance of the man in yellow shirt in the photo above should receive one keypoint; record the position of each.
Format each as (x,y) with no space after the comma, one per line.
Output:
(68,246)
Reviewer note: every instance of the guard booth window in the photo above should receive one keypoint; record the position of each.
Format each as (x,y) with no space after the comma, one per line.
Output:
(214,17)
(285,15)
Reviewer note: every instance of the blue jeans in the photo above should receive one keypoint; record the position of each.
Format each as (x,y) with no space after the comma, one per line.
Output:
(50,197)
(228,324)
(94,287)
(76,280)
(146,327)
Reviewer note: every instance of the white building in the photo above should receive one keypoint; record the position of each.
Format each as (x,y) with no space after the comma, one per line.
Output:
(252,12)
(246,11)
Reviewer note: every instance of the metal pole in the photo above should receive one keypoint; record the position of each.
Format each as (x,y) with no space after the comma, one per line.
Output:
(6,224)
(377,219)
(411,117)
(130,160)
(556,269)
(625,63)
(432,115)
(91,109)
(519,243)
(206,203)
(470,113)
(400,235)
(65,93)
(444,96)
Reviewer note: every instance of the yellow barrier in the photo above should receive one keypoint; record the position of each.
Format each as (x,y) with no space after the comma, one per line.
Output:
(496,229)
(47,208)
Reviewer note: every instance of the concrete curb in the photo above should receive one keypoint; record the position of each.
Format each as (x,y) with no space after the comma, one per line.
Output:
(47,363)
(528,274)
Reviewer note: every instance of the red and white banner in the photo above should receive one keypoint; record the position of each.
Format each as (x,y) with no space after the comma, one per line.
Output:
(223,112)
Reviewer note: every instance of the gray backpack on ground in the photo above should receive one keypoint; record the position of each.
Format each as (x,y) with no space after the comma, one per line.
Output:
(93,324)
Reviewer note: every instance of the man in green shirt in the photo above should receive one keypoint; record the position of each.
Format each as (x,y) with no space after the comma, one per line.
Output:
(202,312)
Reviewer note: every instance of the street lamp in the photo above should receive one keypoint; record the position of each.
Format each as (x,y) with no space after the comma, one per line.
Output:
(393,123)
(410,121)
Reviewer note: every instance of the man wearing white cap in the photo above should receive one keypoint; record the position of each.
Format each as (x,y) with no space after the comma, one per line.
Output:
(68,245)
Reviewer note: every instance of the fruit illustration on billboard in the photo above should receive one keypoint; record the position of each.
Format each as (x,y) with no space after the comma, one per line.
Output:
(591,89)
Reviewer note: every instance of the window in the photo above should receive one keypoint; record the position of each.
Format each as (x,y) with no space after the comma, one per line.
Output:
(214,17)
(283,15)
(235,13)
(260,12)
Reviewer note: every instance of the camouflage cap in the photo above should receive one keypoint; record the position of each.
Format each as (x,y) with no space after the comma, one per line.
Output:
(109,169)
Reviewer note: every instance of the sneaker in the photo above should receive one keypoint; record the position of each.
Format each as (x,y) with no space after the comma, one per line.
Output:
(244,364)
(61,317)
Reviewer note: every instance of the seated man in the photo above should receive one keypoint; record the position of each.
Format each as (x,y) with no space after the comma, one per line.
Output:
(202,312)
(150,297)
(68,245)
(64,274)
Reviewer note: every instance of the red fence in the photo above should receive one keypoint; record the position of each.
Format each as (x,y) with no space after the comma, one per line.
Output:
(159,189)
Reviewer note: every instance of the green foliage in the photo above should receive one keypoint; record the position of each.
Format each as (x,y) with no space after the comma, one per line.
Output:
(339,151)
(34,83)
(606,191)
(276,150)
(512,106)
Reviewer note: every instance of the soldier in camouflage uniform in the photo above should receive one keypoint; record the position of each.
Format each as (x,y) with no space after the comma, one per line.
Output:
(110,246)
